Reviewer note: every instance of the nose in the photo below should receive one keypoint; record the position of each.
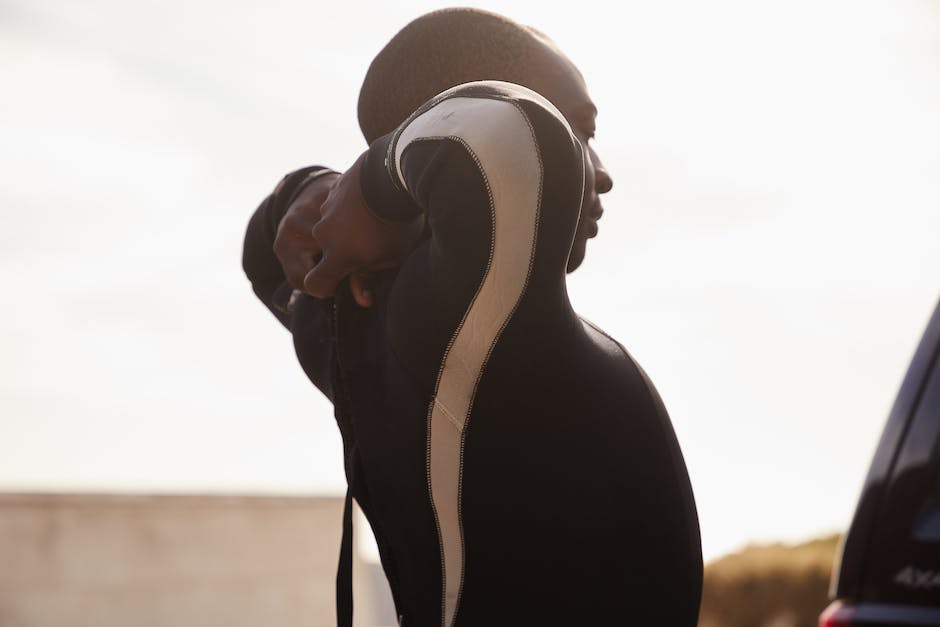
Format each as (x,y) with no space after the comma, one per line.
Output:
(603,182)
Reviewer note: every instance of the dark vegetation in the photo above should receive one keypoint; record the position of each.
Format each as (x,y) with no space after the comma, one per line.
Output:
(774,585)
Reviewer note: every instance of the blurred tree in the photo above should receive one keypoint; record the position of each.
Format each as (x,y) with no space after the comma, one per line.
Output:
(773,585)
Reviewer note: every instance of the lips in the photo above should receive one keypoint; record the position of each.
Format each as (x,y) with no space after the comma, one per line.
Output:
(590,227)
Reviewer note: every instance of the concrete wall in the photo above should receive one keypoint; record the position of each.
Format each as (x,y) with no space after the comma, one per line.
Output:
(180,561)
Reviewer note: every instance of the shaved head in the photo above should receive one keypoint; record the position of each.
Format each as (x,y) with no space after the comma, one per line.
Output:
(446,48)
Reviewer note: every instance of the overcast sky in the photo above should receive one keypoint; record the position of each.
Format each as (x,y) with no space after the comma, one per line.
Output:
(769,252)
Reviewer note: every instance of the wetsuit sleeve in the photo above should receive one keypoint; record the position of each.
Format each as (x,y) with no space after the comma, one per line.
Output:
(477,160)
(308,319)
(499,177)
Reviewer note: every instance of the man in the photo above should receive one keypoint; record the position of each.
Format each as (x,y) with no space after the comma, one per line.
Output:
(516,465)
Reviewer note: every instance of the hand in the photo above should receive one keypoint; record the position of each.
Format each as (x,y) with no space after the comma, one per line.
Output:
(294,244)
(354,242)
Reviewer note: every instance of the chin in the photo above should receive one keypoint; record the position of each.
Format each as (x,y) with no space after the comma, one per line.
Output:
(576,256)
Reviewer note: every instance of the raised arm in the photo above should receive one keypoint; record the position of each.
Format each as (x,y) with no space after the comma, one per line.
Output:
(493,168)
(496,173)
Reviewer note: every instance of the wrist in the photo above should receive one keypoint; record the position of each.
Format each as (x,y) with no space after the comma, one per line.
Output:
(384,193)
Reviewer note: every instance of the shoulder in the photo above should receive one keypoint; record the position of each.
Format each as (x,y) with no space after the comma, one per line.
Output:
(636,383)
(487,95)
(493,118)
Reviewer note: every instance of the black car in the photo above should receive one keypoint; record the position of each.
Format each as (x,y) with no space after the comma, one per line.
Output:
(889,570)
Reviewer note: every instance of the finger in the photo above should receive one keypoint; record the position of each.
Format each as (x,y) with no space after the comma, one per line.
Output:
(296,266)
(297,256)
(322,280)
(301,262)
(360,284)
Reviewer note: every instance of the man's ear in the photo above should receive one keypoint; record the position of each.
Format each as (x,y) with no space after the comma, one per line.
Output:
(360,285)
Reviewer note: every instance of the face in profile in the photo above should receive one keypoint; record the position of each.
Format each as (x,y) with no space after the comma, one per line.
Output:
(561,82)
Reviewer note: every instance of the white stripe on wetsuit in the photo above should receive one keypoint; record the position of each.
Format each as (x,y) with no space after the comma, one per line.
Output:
(500,137)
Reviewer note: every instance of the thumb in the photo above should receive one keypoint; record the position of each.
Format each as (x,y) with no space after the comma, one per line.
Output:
(322,280)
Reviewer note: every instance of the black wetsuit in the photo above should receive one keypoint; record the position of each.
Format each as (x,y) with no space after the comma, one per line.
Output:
(516,464)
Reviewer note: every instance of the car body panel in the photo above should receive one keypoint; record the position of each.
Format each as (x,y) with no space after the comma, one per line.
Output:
(890,557)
